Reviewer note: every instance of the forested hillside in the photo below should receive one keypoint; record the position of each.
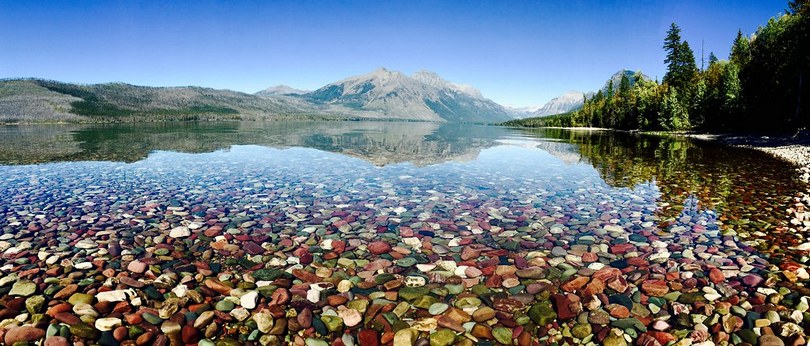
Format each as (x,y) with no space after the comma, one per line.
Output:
(762,86)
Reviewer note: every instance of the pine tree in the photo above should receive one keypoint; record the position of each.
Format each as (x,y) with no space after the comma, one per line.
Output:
(712,59)
(624,86)
(740,50)
(680,60)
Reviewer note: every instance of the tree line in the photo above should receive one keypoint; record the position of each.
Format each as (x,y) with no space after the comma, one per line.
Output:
(761,86)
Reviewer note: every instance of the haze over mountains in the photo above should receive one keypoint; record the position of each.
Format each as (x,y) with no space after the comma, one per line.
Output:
(381,94)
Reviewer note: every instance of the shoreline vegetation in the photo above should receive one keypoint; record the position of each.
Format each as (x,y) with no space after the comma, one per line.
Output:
(765,76)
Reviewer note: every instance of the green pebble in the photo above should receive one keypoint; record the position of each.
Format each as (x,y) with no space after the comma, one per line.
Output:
(748,336)
(228,342)
(64,331)
(358,304)
(690,298)
(135,331)
(224,305)
(515,290)
(84,330)
(425,302)
(442,337)
(657,301)
(480,290)
(151,318)
(37,318)
(333,323)
(51,290)
(316,342)
(406,262)
(502,335)
(437,308)
(23,288)
(267,291)
(152,293)
(86,282)
(52,330)
(542,313)
(739,311)
(440,291)
(455,289)
(614,340)
(629,323)
(468,302)
(319,326)
(411,293)
(383,278)
(77,298)
(267,274)
(581,330)
(34,304)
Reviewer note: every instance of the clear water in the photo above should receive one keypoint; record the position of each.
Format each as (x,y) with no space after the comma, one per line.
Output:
(422,175)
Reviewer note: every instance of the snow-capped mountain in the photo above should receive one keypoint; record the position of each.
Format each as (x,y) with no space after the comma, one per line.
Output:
(422,96)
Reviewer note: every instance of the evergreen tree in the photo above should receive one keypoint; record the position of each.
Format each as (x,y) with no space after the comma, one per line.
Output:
(712,59)
(680,60)
(672,44)
(740,50)
(675,115)
(624,86)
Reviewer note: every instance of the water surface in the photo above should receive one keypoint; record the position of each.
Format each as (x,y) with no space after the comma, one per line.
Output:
(518,218)
(749,190)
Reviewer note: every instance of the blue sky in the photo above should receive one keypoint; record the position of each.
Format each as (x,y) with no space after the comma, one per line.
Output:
(517,53)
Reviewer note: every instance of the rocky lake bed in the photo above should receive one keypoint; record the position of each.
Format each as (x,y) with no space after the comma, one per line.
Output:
(397,234)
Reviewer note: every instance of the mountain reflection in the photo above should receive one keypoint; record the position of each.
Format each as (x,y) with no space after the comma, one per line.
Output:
(380,143)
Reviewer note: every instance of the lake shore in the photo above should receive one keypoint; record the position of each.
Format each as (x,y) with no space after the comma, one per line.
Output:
(793,148)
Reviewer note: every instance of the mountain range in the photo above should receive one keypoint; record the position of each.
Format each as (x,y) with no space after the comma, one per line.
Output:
(381,94)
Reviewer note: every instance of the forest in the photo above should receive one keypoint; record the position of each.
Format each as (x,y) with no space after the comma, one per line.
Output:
(762,86)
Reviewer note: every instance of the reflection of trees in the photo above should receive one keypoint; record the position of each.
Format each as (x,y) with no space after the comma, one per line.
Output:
(748,189)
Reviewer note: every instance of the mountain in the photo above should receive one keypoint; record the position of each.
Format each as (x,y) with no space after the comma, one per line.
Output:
(381,94)
(422,96)
(616,78)
(522,112)
(564,103)
(281,90)
(37,100)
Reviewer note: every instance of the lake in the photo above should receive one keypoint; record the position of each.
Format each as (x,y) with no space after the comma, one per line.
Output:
(348,232)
